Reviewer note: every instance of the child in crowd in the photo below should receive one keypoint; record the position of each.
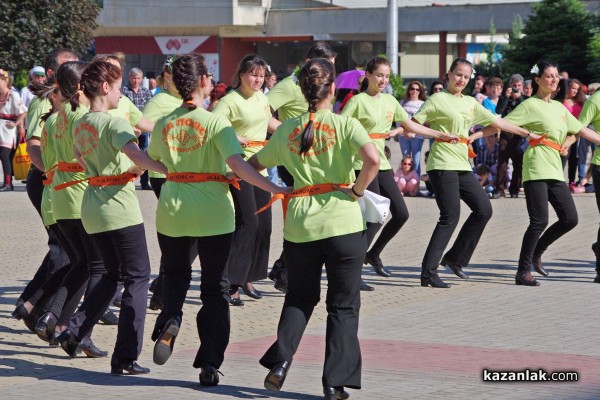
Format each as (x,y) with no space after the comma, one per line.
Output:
(407,178)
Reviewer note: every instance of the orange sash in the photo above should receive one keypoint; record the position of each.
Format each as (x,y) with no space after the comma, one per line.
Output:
(200,177)
(461,141)
(311,190)
(100,181)
(49,177)
(253,143)
(545,142)
(378,135)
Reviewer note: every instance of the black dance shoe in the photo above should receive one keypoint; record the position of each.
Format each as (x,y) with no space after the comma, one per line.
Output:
(236,301)
(68,342)
(434,281)
(457,269)
(30,319)
(275,378)
(163,348)
(44,327)
(131,367)
(526,279)
(155,303)
(364,287)
(335,393)
(597,278)
(109,318)
(209,376)
(255,294)
(90,350)
(539,267)
(377,265)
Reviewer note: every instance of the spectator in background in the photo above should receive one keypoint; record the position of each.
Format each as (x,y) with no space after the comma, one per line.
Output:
(411,144)
(479,88)
(527,88)
(407,178)
(578,151)
(270,80)
(139,95)
(153,87)
(592,87)
(219,90)
(36,74)
(436,86)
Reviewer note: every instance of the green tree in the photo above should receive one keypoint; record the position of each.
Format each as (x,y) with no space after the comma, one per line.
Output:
(594,50)
(29,29)
(493,65)
(557,30)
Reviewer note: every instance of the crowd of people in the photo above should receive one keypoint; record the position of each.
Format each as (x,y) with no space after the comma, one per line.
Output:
(219,158)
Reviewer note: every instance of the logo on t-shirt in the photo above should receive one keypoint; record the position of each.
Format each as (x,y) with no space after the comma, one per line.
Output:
(184,135)
(44,139)
(86,138)
(324,139)
(389,116)
(62,123)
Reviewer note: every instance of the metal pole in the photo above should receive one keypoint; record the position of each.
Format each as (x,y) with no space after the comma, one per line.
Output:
(392,35)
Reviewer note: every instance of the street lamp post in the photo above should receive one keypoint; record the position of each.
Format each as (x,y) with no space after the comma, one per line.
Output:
(392,35)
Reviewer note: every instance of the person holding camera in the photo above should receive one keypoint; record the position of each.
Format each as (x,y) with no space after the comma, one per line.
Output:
(509,144)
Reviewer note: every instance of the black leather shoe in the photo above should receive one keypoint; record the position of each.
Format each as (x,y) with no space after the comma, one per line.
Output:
(539,267)
(364,287)
(7,188)
(597,278)
(130,367)
(155,302)
(109,318)
(163,348)
(21,313)
(377,265)
(236,301)
(435,281)
(45,327)
(90,350)
(275,378)
(457,269)
(255,294)
(514,195)
(117,301)
(526,279)
(335,393)
(68,342)
(209,376)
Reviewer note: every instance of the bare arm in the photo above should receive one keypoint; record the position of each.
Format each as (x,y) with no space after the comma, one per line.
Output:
(370,157)
(145,125)
(564,148)
(248,172)
(273,125)
(590,135)
(506,126)
(412,126)
(142,159)
(35,153)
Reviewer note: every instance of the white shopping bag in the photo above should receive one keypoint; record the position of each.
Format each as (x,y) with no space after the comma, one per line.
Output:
(374,207)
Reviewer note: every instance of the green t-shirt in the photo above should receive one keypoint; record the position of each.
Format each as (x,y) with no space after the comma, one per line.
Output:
(287,99)
(454,115)
(591,115)
(49,159)
(534,114)
(194,141)
(376,115)
(249,117)
(66,203)
(126,109)
(337,140)
(36,109)
(99,138)
(156,108)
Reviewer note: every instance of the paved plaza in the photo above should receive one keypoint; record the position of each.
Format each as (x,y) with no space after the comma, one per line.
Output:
(417,343)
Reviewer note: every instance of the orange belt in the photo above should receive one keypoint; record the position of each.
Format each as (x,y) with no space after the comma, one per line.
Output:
(378,135)
(199,177)
(253,143)
(49,176)
(305,191)
(100,181)
(543,141)
(462,141)
(65,167)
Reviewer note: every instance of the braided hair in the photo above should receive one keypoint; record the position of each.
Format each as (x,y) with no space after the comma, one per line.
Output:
(316,78)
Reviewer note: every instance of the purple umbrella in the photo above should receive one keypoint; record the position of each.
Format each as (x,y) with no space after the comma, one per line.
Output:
(349,79)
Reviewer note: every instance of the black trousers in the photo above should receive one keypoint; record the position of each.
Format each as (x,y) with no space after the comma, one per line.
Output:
(6,164)
(56,258)
(249,258)
(343,257)
(451,187)
(596,178)
(86,269)
(385,185)
(536,240)
(212,320)
(125,255)
(156,184)
(509,150)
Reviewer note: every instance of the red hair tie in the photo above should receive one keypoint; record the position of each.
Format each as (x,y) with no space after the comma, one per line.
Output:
(311,116)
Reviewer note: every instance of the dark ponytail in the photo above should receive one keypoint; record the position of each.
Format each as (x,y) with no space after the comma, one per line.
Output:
(92,78)
(316,78)
(187,72)
(67,79)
